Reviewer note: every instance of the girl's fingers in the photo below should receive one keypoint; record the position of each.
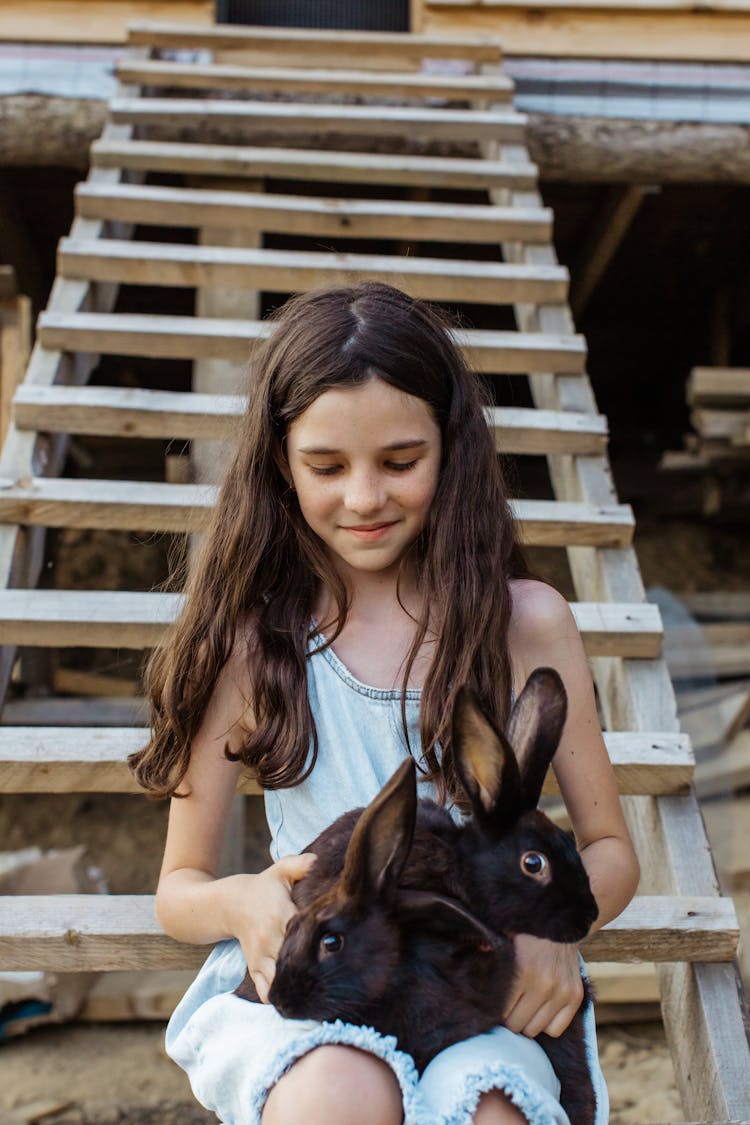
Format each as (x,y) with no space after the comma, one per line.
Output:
(531,1018)
(295,867)
(262,976)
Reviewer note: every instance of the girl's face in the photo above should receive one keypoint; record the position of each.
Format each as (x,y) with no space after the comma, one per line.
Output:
(365,462)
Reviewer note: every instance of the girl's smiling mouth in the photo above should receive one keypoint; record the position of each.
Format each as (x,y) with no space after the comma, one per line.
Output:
(370,530)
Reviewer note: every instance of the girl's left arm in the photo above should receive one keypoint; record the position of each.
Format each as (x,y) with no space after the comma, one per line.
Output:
(543,633)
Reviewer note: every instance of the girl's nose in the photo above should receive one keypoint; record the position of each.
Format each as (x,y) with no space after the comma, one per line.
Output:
(364,493)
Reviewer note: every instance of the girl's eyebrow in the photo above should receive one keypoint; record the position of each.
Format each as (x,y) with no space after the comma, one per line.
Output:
(410,443)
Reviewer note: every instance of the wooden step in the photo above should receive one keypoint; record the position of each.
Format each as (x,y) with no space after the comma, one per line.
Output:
(156,506)
(125,619)
(90,760)
(180,265)
(72,933)
(311,164)
(127,412)
(310,215)
(158,74)
(186,337)
(302,117)
(340,46)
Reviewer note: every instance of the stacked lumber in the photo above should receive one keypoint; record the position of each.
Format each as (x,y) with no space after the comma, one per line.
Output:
(710,661)
(719,398)
(719,446)
(225,199)
(15,342)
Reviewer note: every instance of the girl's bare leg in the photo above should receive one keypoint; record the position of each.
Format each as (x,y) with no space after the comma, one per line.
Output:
(495,1109)
(336,1085)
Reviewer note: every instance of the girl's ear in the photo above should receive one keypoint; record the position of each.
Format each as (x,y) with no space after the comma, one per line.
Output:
(381,840)
(485,764)
(535,729)
(280,460)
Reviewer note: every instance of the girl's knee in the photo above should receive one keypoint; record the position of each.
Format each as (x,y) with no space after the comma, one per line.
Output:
(495,1109)
(336,1085)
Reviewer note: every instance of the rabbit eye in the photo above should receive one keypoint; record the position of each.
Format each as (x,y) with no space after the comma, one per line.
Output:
(535,865)
(331,943)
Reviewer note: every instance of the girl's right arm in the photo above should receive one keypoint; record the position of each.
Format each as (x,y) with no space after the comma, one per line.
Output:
(192,903)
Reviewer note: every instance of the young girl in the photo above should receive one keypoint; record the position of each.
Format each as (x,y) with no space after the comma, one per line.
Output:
(361,565)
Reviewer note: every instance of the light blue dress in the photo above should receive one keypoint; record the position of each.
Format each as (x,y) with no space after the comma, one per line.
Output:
(235,1051)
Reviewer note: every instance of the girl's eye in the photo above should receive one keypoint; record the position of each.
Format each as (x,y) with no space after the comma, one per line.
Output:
(400,466)
(331,943)
(535,865)
(324,470)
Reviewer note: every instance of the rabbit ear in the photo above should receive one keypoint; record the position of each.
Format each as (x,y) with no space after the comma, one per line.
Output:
(535,728)
(381,840)
(441,909)
(485,763)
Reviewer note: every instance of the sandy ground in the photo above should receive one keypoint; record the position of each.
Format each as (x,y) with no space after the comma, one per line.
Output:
(111,1073)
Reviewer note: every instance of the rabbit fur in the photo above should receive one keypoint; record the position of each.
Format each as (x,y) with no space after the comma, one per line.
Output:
(405,922)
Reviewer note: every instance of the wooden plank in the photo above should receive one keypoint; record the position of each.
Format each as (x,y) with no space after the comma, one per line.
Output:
(309,164)
(39,759)
(103,618)
(184,337)
(130,412)
(176,264)
(718,386)
(601,33)
(718,721)
(105,21)
(158,74)
(15,347)
(156,506)
(73,933)
(721,425)
(344,46)
(626,5)
(300,117)
(74,711)
(720,604)
(726,771)
(302,214)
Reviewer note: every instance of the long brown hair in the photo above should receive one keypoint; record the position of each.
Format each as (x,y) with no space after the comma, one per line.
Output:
(261,563)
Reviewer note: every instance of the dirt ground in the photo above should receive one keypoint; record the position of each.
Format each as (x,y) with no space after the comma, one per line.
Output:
(99,1074)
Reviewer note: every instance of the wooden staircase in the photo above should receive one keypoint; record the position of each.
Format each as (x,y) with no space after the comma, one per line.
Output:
(225,203)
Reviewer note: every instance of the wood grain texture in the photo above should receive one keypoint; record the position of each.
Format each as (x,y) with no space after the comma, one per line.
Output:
(297,118)
(89,760)
(309,164)
(72,933)
(96,619)
(185,266)
(341,46)
(183,337)
(156,506)
(165,75)
(130,412)
(300,214)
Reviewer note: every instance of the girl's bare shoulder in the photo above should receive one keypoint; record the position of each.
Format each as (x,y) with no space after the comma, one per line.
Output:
(542,629)
(537,608)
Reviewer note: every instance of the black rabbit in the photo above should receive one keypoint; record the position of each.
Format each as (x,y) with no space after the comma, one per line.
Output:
(405,921)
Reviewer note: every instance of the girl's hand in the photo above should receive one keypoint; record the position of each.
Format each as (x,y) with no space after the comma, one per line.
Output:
(547,990)
(261,906)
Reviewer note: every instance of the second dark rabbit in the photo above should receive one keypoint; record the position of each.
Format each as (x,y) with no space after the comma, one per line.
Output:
(406,921)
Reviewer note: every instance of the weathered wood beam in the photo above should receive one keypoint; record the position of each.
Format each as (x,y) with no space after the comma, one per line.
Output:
(53,131)
(106,21)
(630,29)
(85,759)
(70,933)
